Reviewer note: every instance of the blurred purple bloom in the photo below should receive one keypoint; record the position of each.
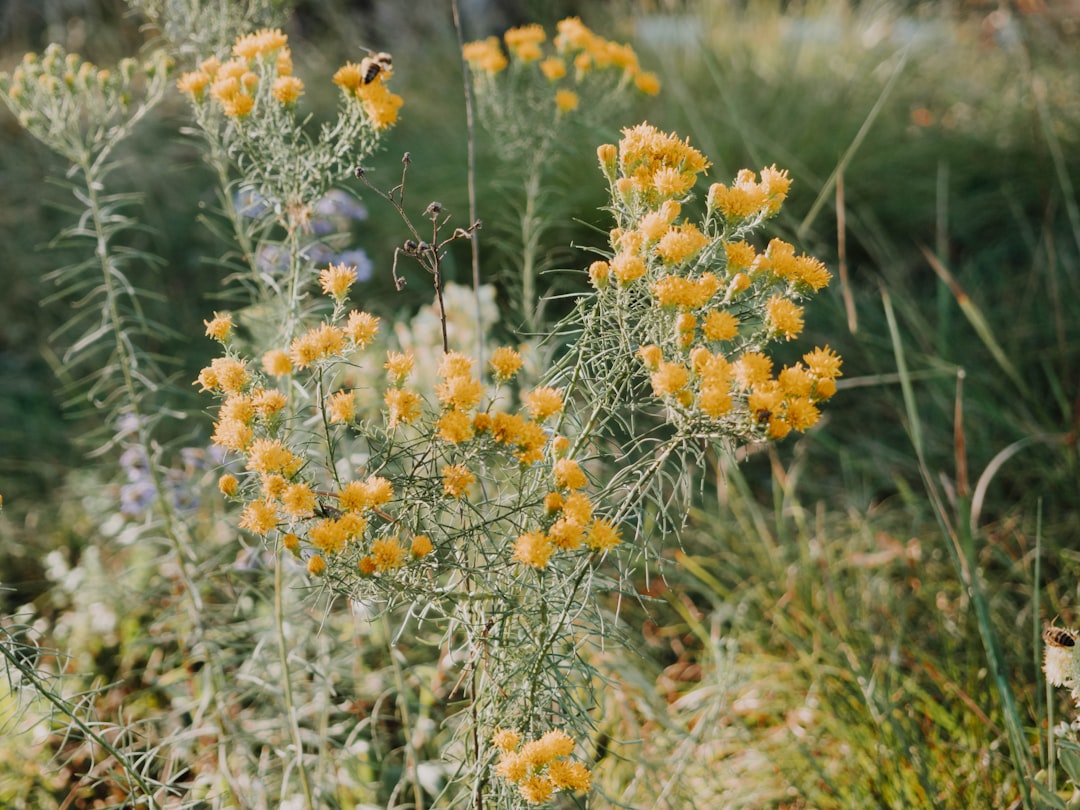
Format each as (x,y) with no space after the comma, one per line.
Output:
(250,203)
(365,268)
(337,202)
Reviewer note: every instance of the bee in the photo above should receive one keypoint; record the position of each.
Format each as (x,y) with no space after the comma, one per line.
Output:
(372,66)
(1059,637)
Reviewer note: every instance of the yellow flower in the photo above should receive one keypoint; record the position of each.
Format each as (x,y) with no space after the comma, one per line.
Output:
(531,440)
(823,363)
(361,328)
(566,533)
(720,325)
(287,89)
(283,64)
(536,789)
(568,474)
(745,198)
(421,546)
(354,497)
(785,317)
(602,536)
(569,775)
(648,83)
(232,434)
(795,381)
(740,255)
(379,490)
(268,402)
(505,363)
(456,480)
(291,542)
(224,374)
(336,279)
(277,363)
(220,327)
(341,407)
(238,406)
(544,402)
(349,77)
(670,182)
(298,500)
(512,766)
(194,83)
(801,413)
(506,427)
(261,42)
(598,274)
(271,456)
(455,364)
(577,507)
(669,379)
(317,343)
(239,106)
(454,426)
(403,406)
(398,366)
(259,517)
(485,55)
(228,485)
(681,243)
(553,68)
(627,267)
(534,549)
(714,400)
(387,554)
(775,185)
(461,392)
(651,356)
(567,100)
(316,565)
(751,369)
(380,104)
(506,739)
(329,536)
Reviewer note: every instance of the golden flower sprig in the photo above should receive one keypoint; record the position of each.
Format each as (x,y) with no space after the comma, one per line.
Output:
(250,103)
(707,304)
(541,767)
(579,75)
(77,108)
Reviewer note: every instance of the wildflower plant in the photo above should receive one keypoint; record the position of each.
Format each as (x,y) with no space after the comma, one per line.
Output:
(479,507)
(537,96)
(695,302)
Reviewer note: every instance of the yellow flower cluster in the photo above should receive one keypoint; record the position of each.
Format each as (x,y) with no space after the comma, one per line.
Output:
(569,523)
(258,59)
(574,46)
(540,767)
(262,60)
(358,82)
(716,302)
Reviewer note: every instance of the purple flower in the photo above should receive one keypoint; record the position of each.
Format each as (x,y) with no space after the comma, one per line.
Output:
(358,259)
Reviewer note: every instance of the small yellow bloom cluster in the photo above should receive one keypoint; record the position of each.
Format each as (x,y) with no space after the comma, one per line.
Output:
(540,767)
(569,522)
(260,59)
(574,46)
(366,83)
(714,301)
(262,63)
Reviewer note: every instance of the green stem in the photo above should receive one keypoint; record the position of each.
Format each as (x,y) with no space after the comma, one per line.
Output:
(283,657)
